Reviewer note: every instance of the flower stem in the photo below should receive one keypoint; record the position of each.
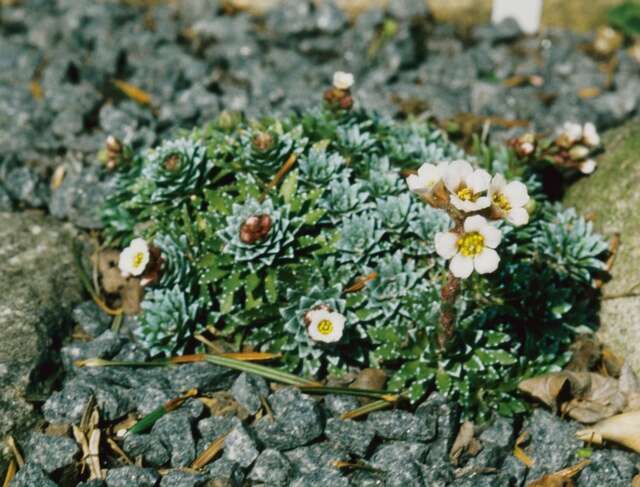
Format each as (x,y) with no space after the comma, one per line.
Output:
(449,295)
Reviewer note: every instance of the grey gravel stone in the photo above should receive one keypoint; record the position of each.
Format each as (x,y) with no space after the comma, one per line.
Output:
(349,435)
(92,483)
(248,389)
(66,406)
(284,397)
(319,455)
(321,477)
(392,452)
(404,472)
(401,425)
(555,455)
(175,432)
(337,404)
(271,468)
(91,318)
(611,468)
(32,476)
(179,478)
(240,447)
(225,473)
(436,410)
(104,346)
(152,450)
(130,475)
(202,376)
(51,453)
(298,421)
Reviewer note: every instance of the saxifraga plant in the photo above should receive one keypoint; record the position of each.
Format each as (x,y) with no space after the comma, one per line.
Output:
(301,236)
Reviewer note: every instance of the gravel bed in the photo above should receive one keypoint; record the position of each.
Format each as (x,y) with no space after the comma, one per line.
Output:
(296,441)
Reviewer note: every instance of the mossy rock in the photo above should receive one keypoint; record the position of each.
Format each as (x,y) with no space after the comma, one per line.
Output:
(611,195)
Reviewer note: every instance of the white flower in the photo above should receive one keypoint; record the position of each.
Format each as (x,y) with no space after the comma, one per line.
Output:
(527,148)
(473,249)
(134,258)
(578,152)
(428,176)
(588,166)
(572,131)
(590,135)
(509,199)
(325,326)
(342,80)
(467,186)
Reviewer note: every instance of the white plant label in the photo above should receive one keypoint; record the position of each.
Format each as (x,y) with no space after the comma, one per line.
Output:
(526,12)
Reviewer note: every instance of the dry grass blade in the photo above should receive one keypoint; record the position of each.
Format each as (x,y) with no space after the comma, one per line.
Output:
(119,451)
(11,443)
(360,283)
(282,172)
(150,419)
(209,454)
(252,356)
(519,453)
(11,472)
(366,409)
(134,92)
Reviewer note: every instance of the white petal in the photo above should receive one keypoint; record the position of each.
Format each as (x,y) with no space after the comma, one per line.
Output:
(481,203)
(446,244)
(516,193)
(487,261)
(573,131)
(588,166)
(338,321)
(315,316)
(461,266)
(497,183)
(427,171)
(455,173)
(492,236)
(518,216)
(474,223)
(590,135)
(139,244)
(460,204)
(414,182)
(478,181)
(126,260)
(342,80)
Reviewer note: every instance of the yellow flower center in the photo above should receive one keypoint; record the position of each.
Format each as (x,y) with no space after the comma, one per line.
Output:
(325,327)
(466,194)
(471,244)
(501,202)
(138,259)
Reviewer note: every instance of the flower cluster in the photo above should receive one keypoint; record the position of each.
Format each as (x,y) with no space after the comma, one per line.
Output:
(572,149)
(470,196)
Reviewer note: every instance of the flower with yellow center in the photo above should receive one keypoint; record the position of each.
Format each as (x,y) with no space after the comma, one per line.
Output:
(509,200)
(467,186)
(472,249)
(342,81)
(324,325)
(134,259)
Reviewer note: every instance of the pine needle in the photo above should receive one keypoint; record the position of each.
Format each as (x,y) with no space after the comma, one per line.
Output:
(209,454)
(11,472)
(147,422)
(134,92)
(366,409)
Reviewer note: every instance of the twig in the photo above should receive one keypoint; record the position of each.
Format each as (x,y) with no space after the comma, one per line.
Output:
(209,454)
(286,167)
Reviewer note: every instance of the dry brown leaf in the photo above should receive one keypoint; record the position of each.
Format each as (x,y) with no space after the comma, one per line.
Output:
(584,396)
(623,429)
(561,478)
(464,442)
(636,481)
(589,92)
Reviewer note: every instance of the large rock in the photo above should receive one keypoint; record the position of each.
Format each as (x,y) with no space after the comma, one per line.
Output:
(611,196)
(38,285)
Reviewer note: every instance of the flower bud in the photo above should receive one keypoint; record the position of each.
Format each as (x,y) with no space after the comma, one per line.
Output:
(578,152)
(262,141)
(588,166)
(607,41)
(255,228)
(172,163)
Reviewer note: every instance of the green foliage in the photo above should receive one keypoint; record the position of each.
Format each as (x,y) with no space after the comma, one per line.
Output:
(345,233)
(626,17)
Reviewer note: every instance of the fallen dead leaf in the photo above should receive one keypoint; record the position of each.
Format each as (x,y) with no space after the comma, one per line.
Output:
(519,453)
(589,92)
(561,478)
(636,481)
(464,442)
(623,429)
(134,92)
